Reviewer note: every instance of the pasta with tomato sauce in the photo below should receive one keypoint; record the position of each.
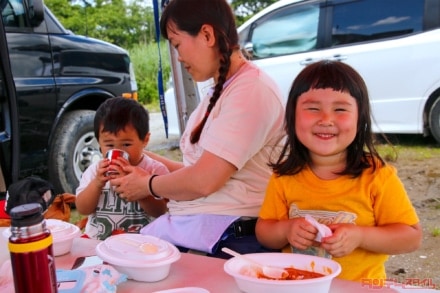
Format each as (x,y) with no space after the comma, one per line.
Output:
(294,274)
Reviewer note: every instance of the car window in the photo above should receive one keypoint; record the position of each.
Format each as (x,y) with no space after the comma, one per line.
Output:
(286,31)
(368,20)
(13,14)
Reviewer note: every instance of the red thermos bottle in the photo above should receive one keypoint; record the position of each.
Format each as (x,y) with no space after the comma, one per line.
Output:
(30,247)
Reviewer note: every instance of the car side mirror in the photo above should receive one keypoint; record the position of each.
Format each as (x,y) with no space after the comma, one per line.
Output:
(249,50)
(35,11)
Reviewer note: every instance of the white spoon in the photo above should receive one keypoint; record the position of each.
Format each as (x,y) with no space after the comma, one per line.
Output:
(269,271)
(146,247)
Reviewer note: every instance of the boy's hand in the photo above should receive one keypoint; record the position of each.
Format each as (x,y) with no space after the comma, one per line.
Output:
(101,175)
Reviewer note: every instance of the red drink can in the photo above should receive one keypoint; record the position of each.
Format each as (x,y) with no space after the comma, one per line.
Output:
(113,155)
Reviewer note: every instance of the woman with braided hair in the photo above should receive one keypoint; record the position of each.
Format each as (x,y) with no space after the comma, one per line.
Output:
(215,194)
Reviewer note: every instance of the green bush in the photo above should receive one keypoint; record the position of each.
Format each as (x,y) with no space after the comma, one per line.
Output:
(145,59)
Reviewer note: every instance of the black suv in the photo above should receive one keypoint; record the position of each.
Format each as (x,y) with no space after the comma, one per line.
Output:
(60,79)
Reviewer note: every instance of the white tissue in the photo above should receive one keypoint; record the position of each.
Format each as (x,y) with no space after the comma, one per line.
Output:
(323,230)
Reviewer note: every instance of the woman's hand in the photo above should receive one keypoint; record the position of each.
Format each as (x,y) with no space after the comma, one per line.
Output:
(133,185)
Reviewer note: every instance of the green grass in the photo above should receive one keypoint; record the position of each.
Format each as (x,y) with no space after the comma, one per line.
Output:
(75,216)
(411,147)
(435,232)
(145,60)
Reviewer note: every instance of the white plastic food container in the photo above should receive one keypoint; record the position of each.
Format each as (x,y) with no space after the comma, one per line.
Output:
(63,234)
(251,284)
(141,257)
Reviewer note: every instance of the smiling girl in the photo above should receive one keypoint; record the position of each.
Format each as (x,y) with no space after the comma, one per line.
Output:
(330,170)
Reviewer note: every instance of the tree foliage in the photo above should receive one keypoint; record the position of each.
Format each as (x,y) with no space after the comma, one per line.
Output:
(130,24)
(146,61)
(126,23)
(116,21)
(244,9)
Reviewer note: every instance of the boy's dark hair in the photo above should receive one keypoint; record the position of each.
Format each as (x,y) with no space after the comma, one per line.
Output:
(116,113)
(338,76)
(189,16)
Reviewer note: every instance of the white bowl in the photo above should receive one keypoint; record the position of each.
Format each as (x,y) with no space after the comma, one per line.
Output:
(141,257)
(62,232)
(251,284)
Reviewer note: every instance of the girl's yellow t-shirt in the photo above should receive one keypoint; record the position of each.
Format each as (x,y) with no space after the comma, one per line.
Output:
(372,199)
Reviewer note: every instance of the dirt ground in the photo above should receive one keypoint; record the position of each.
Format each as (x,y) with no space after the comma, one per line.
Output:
(421,177)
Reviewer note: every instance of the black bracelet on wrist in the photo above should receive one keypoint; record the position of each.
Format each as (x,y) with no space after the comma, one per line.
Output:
(151,188)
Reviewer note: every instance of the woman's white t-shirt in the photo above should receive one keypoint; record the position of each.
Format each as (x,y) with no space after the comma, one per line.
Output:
(245,127)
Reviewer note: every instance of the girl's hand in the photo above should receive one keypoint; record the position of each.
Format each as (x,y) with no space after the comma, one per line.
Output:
(345,239)
(301,233)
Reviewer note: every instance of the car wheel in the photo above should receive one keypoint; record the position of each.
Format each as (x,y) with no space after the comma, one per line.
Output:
(74,147)
(434,120)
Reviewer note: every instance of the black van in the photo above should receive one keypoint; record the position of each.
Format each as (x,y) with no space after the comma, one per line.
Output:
(60,80)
